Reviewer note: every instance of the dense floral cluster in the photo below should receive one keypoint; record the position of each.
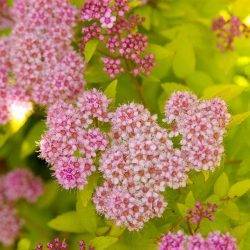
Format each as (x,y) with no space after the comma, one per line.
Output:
(110,22)
(201,125)
(71,144)
(141,160)
(201,211)
(227,30)
(214,241)
(17,184)
(57,244)
(37,60)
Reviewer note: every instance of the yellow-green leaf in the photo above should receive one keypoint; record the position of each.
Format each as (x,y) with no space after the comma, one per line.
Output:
(238,119)
(221,185)
(239,188)
(103,242)
(23,244)
(110,91)
(184,59)
(67,222)
(225,91)
(190,200)
(90,49)
(231,210)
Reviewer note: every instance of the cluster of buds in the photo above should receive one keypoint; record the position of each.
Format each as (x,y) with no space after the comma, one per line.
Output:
(15,185)
(111,23)
(214,241)
(201,211)
(57,244)
(227,30)
(39,63)
(139,159)
(72,142)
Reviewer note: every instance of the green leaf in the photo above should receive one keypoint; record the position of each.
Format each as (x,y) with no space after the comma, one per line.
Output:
(238,119)
(221,185)
(213,198)
(184,59)
(67,222)
(90,49)
(23,244)
(190,200)
(225,91)
(84,196)
(103,242)
(231,210)
(239,188)
(171,87)
(239,231)
(198,81)
(77,3)
(87,217)
(30,142)
(116,231)
(182,208)
(110,91)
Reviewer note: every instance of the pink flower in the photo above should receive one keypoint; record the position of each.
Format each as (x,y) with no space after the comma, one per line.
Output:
(107,21)
(22,184)
(173,241)
(112,66)
(201,125)
(219,241)
(10,225)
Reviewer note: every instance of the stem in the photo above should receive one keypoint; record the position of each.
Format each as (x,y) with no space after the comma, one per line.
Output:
(197,227)
(189,228)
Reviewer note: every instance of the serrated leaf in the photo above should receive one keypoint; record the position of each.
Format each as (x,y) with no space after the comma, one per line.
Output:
(221,185)
(239,188)
(90,49)
(225,91)
(110,91)
(23,244)
(190,200)
(67,222)
(238,119)
(231,210)
(30,142)
(184,59)
(103,242)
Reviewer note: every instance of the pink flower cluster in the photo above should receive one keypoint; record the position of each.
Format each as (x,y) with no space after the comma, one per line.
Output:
(57,244)
(5,15)
(201,123)
(109,22)
(15,185)
(201,211)
(139,159)
(71,144)
(39,62)
(10,225)
(227,30)
(214,241)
